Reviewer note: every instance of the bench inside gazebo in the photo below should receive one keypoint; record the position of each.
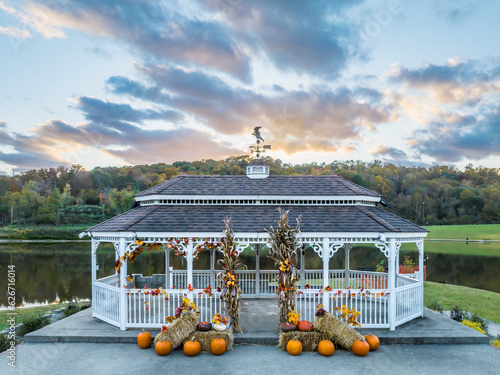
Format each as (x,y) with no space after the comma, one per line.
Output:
(185,215)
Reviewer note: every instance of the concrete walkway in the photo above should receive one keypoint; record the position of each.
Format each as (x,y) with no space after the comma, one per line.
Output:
(259,324)
(110,359)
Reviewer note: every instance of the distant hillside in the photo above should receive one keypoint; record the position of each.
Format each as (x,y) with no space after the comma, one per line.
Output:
(433,196)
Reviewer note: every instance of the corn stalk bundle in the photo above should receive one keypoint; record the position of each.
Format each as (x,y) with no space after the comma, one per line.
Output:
(337,330)
(284,245)
(179,330)
(230,285)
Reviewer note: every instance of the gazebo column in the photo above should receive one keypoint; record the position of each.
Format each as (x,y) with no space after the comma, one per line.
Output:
(257,271)
(302,267)
(189,256)
(392,283)
(123,284)
(212,269)
(326,261)
(167,268)
(95,245)
(420,245)
(347,247)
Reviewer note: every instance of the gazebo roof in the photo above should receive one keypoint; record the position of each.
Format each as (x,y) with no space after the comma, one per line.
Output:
(251,218)
(272,185)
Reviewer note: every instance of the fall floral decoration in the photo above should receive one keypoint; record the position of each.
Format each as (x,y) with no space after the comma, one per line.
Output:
(230,286)
(219,319)
(293,317)
(349,316)
(284,245)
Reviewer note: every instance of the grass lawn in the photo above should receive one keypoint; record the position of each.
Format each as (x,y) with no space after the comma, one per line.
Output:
(27,313)
(459,248)
(478,301)
(462,232)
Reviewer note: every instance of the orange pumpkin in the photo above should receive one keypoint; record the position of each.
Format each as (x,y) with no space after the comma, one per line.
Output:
(163,347)
(360,348)
(192,348)
(372,341)
(294,347)
(326,348)
(218,346)
(144,340)
(305,326)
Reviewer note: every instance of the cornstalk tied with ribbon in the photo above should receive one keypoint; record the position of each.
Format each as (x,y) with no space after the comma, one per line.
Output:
(230,286)
(284,246)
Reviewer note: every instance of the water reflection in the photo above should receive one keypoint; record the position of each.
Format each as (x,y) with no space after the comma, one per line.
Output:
(47,271)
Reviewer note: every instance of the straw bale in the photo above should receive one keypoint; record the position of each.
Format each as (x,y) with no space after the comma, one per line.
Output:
(205,338)
(336,330)
(309,340)
(179,330)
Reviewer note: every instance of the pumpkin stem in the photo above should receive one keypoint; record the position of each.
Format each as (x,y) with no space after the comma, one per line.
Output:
(192,339)
(295,338)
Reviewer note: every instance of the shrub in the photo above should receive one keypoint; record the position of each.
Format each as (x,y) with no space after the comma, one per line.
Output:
(33,324)
(457,314)
(74,307)
(5,342)
(473,325)
(434,305)
(477,319)
(496,342)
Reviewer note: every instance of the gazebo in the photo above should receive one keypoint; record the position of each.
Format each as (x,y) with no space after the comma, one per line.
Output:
(186,213)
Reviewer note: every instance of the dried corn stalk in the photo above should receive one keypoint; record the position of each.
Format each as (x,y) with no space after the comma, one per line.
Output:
(284,246)
(230,285)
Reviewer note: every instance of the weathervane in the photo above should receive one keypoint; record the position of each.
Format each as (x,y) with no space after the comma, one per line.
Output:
(258,149)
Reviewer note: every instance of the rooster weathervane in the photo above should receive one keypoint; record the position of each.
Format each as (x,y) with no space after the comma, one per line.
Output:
(258,149)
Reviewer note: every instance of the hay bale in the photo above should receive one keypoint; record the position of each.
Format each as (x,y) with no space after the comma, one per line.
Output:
(337,330)
(205,338)
(309,340)
(179,330)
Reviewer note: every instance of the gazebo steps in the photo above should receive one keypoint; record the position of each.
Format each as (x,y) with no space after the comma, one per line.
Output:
(432,329)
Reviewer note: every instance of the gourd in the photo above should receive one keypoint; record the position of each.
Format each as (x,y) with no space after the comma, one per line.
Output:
(294,347)
(218,346)
(305,326)
(360,348)
(326,348)
(192,348)
(204,326)
(372,341)
(144,340)
(288,327)
(163,347)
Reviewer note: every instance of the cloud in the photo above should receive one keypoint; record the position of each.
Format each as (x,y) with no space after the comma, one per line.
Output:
(302,36)
(3,124)
(456,82)
(318,119)
(15,32)
(391,152)
(461,137)
(456,13)
(159,29)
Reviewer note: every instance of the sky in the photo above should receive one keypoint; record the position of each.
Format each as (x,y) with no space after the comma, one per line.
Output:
(125,82)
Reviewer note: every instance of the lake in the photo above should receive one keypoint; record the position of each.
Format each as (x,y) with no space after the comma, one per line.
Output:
(49,271)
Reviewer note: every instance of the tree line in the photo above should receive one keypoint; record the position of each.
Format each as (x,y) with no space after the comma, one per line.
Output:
(72,195)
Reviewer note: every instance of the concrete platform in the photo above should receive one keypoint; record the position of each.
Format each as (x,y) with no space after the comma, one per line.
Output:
(259,324)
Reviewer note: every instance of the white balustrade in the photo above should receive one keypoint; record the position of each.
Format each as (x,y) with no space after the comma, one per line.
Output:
(409,302)
(106,303)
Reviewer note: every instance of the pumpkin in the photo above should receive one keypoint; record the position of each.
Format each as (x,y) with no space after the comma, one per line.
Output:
(372,341)
(305,326)
(220,327)
(204,326)
(288,327)
(218,346)
(294,347)
(144,340)
(163,347)
(326,348)
(360,348)
(192,348)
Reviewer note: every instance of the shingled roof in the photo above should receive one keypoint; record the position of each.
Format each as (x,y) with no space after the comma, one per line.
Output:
(198,218)
(272,185)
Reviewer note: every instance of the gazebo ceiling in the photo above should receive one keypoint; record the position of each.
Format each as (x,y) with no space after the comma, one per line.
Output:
(255,218)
